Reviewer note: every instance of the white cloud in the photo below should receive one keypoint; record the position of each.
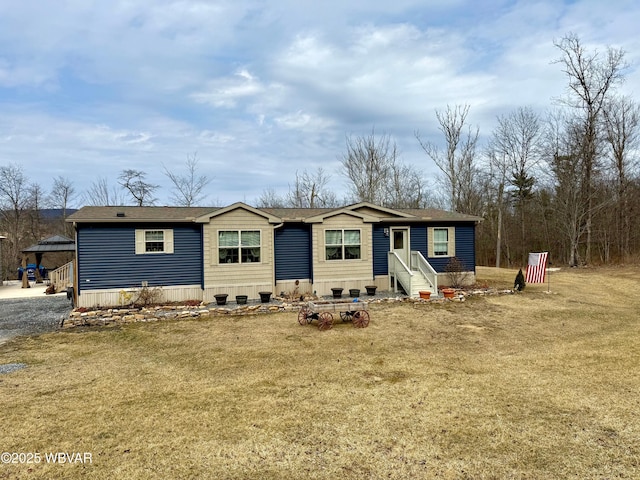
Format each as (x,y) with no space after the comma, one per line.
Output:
(88,88)
(226,92)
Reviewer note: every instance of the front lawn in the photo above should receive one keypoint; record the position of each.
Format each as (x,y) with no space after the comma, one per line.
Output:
(533,385)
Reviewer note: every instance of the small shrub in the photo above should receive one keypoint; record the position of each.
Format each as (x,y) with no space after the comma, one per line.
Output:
(124,297)
(148,296)
(456,272)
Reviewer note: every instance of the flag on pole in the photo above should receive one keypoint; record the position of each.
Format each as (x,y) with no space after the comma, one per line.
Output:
(537,267)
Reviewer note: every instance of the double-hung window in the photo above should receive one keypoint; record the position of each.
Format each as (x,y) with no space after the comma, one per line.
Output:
(239,246)
(342,244)
(154,241)
(442,242)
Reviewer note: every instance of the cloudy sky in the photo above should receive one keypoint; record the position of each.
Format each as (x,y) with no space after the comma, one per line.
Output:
(260,89)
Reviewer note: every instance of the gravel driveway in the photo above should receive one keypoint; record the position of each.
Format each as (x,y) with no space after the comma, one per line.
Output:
(31,316)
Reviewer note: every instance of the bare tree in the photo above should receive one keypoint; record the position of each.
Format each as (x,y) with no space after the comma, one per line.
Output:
(517,139)
(188,189)
(622,130)
(498,166)
(61,196)
(572,206)
(457,160)
(367,164)
(270,199)
(14,202)
(36,199)
(311,191)
(591,79)
(100,194)
(406,188)
(140,190)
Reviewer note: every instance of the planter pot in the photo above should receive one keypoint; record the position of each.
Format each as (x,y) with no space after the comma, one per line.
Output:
(371,289)
(337,292)
(354,292)
(241,299)
(425,294)
(221,298)
(265,297)
(448,292)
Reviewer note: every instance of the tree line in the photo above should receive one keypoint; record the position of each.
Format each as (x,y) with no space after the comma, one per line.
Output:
(566,180)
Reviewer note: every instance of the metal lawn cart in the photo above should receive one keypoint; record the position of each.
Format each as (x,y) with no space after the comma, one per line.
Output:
(322,311)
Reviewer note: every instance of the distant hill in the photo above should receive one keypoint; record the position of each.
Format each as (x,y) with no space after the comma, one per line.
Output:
(55,213)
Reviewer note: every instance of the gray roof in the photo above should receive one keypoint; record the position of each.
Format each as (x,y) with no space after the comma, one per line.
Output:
(138,214)
(57,243)
(189,214)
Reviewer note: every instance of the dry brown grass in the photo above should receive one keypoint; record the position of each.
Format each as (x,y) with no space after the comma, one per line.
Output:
(534,385)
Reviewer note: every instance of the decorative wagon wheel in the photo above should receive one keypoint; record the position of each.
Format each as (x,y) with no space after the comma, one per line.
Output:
(361,319)
(345,316)
(303,316)
(325,321)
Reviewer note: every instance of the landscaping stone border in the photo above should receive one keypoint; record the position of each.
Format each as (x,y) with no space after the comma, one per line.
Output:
(82,317)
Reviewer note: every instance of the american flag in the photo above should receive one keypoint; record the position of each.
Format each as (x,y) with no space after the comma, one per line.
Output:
(537,267)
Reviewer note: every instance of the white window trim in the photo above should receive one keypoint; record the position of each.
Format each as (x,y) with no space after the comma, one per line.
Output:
(451,242)
(324,239)
(239,247)
(167,235)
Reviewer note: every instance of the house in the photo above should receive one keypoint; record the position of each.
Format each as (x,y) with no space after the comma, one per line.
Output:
(197,252)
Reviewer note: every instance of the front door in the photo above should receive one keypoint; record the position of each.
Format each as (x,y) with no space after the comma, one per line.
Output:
(400,244)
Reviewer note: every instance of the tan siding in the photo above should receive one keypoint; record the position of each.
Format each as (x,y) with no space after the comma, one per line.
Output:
(369,211)
(220,277)
(372,212)
(345,273)
(251,290)
(289,287)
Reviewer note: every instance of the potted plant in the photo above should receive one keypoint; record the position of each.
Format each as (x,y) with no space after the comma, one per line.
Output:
(265,297)
(221,298)
(426,294)
(371,289)
(241,299)
(448,292)
(354,292)
(337,292)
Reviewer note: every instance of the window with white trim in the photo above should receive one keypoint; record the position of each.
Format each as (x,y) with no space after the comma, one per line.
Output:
(342,244)
(154,241)
(239,246)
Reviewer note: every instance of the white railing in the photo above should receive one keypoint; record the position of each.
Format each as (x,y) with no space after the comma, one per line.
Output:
(412,277)
(419,263)
(62,277)
(400,272)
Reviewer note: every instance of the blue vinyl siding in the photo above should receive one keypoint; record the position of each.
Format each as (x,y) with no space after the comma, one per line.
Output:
(380,250)
(418,239)
(465,248)
(293,252)
(107,258)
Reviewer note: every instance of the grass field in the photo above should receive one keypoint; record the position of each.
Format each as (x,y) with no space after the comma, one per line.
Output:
(538,385)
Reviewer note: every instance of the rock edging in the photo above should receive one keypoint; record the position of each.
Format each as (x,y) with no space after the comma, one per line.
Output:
(82,317)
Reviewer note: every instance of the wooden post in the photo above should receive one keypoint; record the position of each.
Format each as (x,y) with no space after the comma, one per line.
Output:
(25,276)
